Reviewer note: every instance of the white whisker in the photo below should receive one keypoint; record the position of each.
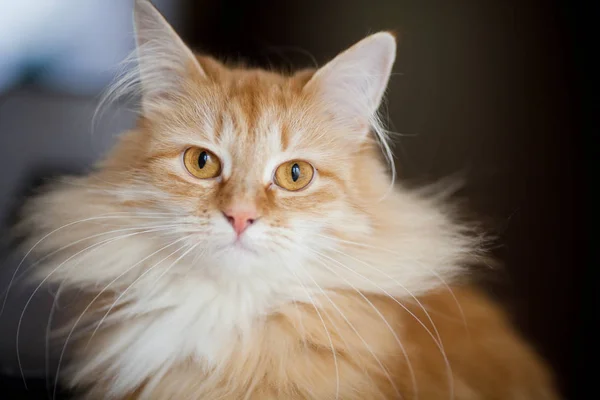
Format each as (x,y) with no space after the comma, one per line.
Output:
(333,352)
(434,273)
(99,295)
(402,348)
(367,346)
(99,217)
(136,281)
(96,245)
(48,255)
(437,341)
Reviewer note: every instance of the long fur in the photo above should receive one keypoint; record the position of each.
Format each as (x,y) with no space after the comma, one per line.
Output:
(343,290)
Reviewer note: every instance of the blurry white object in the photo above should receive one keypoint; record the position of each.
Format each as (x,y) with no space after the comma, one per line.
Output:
(72,45)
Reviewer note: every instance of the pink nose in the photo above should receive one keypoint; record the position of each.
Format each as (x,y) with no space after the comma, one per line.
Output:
(240,220)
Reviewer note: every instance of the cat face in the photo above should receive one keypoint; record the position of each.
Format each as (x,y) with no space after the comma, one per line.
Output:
(262,170)
(267,167)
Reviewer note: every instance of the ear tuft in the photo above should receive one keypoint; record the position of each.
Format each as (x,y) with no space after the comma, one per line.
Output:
(165,63)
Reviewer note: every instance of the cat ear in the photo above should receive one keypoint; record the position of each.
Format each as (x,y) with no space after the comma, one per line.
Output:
(354,82)
(165,63)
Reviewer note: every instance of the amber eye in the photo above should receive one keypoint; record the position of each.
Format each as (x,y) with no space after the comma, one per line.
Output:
(201,163)
(294,175)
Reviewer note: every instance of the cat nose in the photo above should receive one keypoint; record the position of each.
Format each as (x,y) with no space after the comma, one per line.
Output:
(240,220)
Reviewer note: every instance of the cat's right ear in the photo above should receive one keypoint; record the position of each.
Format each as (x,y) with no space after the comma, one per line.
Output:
(165,63)
(353,83)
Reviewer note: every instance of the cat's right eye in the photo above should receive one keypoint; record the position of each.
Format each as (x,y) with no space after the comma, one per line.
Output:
(294,175)
(201,163)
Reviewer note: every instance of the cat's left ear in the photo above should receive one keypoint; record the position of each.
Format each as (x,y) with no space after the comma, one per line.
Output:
(165,63)
(354,82)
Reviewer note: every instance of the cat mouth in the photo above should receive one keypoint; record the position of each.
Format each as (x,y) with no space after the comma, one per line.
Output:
(237,245)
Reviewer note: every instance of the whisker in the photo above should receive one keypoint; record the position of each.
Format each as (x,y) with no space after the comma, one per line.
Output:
(333,352)
(367,346)
(46,256)
(357,358)
(438,342)
(173,264)
(301,329)
(434,273)
(99,295)
(98,217)
(47,343)
(137,280)
(96,245)
(134,282)
(402,348)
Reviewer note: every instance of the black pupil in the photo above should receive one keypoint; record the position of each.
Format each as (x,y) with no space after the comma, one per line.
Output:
(202,159)
(295,172)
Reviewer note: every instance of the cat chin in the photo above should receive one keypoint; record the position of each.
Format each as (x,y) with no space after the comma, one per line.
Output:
(239,260)
(235,260)
(239,247)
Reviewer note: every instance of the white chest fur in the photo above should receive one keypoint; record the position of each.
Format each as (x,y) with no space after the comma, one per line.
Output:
(178,321)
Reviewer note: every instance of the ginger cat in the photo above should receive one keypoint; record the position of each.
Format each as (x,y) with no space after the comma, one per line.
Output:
(245,241)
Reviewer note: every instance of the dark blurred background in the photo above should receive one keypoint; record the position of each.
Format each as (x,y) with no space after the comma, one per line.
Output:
(496,90)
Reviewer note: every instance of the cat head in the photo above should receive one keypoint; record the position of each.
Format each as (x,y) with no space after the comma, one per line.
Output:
(264,164)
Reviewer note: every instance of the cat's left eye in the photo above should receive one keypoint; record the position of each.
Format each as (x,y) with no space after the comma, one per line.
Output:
(201,163)
(294,175)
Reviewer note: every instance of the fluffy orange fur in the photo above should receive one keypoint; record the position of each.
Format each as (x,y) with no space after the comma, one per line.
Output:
(480,356)
(388,314)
